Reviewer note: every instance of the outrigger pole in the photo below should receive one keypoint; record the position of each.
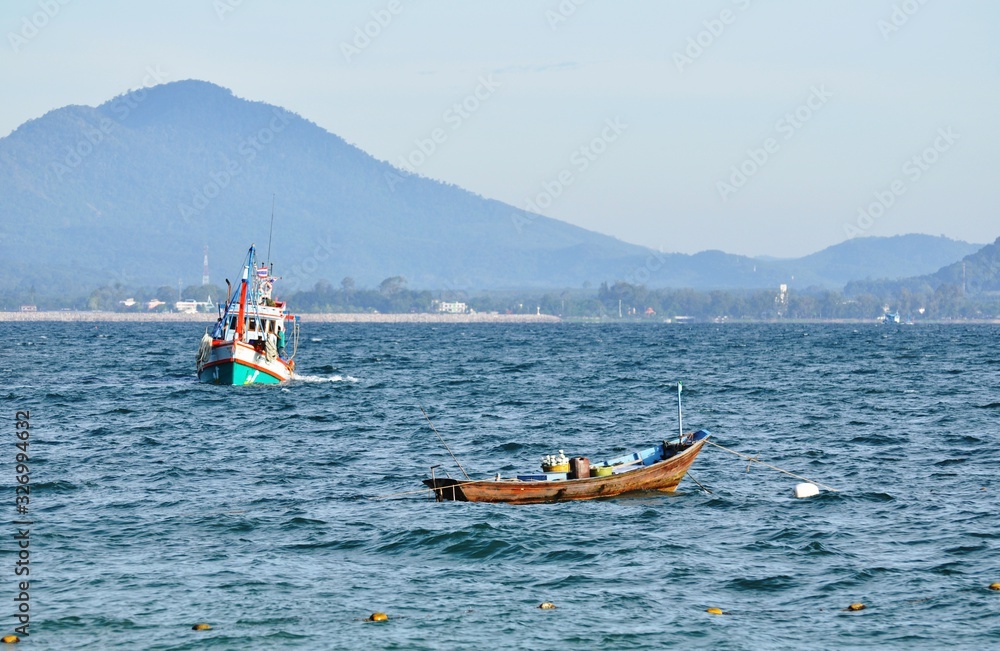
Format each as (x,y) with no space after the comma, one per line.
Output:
(445,444)
(680,421)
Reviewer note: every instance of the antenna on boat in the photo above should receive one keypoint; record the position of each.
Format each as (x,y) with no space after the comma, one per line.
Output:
(269,231)
(680,420)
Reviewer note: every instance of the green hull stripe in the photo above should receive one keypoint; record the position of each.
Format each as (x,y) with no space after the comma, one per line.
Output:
(236,374)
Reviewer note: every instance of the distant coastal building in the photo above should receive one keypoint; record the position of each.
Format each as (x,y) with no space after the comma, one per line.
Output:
(186,307)
(781,300)
(29,308)
(192,307)
(450,307)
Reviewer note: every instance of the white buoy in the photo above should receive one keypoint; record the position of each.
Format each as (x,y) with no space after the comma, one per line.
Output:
(806,490)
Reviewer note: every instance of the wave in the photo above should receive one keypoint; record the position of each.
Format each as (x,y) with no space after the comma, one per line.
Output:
(323,378)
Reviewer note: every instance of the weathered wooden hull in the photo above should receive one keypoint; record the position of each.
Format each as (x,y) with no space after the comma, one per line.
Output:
(663,475)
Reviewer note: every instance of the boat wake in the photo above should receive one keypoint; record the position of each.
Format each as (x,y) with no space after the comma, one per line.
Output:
(323,378)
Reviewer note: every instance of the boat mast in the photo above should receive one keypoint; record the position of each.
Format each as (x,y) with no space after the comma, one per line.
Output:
(270,230)
(240,326)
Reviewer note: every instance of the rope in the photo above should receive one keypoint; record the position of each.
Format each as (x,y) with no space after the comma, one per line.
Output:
(691,477)
(445,444)
(204,349)
(422,490)
(756,460)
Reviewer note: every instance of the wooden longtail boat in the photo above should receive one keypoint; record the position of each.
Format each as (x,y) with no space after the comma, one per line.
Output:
(657,468)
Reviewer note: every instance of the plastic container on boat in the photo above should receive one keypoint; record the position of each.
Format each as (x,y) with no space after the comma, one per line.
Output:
(601,471)
(579,467)
(557,467)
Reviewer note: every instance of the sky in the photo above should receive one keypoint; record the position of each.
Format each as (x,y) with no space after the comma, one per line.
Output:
(756,127)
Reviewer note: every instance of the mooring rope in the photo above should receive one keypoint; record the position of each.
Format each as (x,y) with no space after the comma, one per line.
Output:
(756,460)
(700,485)
(422,490)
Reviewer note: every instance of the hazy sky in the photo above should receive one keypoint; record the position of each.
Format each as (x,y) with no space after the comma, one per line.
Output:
(751,126)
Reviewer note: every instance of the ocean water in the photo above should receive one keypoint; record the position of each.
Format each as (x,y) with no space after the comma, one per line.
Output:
(158,502)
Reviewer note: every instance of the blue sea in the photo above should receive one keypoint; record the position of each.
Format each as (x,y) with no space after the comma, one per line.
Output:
(284,516)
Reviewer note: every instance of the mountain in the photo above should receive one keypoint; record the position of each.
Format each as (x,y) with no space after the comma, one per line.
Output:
(975,275)
(131,191)
(901,256)
(978,273)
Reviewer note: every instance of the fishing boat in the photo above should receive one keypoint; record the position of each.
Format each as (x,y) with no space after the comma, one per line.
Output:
(657,468)
(250,341)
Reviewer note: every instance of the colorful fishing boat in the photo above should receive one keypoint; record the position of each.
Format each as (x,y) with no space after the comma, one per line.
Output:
(250,342)
(657,468)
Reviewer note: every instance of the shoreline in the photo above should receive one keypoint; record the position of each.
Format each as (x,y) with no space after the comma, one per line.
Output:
(364,317)
(175,317)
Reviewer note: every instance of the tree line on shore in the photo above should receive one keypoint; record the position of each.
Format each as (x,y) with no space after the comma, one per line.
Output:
(629,301)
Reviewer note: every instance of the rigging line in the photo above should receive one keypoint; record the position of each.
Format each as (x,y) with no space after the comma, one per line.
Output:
(445,444)
(756,460)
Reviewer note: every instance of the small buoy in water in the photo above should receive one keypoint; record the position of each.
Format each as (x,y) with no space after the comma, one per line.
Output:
(714,611)
(10,639)
(995,586)
(546,605)
(856,606)
(806,490)
(201,627)
(378,617)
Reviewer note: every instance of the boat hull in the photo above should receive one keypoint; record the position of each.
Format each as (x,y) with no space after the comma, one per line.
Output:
(236,363)
(664,475)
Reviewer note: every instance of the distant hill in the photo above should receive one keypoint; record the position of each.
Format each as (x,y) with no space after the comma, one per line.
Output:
(896,257)
(130,192)
(977,274)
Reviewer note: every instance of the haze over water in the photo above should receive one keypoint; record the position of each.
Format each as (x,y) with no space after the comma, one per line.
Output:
(159,502)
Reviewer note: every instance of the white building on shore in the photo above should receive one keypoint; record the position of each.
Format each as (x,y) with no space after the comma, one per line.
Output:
(450,307)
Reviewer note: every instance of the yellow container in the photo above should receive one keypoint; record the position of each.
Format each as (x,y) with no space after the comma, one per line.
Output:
(601,471)
(559,467)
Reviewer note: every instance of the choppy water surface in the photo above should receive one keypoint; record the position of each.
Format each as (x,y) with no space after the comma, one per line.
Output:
(159,502)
